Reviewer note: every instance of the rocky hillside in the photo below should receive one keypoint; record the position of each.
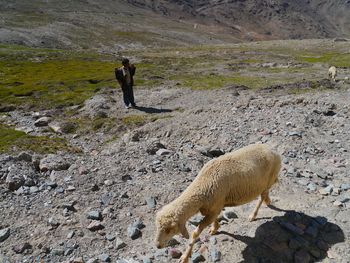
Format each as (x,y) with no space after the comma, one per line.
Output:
(81,177)
(114,25)
(263,19)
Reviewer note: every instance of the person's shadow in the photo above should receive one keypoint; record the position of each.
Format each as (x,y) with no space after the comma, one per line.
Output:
(151,109)
(293,237)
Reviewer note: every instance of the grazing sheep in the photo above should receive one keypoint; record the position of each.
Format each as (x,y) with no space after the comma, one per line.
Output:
(232,179)
(332,72)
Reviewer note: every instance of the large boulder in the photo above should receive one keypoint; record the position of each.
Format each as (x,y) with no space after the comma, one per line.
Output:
(54,162)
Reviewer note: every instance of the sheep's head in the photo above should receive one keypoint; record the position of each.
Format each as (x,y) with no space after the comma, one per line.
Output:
(167,226)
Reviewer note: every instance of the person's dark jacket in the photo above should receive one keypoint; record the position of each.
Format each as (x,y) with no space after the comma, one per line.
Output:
(122,79)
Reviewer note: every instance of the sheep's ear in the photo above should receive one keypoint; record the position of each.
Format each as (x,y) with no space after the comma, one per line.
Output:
(184,231)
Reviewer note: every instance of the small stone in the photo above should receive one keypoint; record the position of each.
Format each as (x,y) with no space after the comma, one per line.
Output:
(174,253)
(173,242)
(57,252)
(108,182)
(19,249)
(53,162)
(311,187)
(51,184)
(110,237)
(94,215)
(345,187)
(146,259)
(229,215)
(336,191)
(197,257)
(326,191)
(138,223)
(71,188)
(338,203)
(133,232)
(81,260)
(69,205)
(95,226)
(296,134)
(162,152)
(213,241)
(215,255)
(119,244)
(70,234)
(41,122)
(33,189)
(53,222)
(4,234)
(107,211)
(195,220)
(151,202)
(302,256)
(92,260)
(68,251)
(23,156)
(104,258)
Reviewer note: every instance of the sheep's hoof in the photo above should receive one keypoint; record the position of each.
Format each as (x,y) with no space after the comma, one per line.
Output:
(267,201)
(251,218)
(183,259)
(213,231)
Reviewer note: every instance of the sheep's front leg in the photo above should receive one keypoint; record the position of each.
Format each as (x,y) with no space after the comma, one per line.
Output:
(264,197)
(214,228)
(207,220)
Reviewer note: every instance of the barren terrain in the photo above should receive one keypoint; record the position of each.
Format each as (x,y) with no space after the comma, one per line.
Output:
(81,178)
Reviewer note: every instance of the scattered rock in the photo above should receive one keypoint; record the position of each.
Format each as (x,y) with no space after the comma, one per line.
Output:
(215,255)
(94,215)
(151,202)
(4,234)
(119,244)
(175,253)
(134,232)
(197,257)
(41,122)
(95,226)
(104,258)
(162,152)
(53,162)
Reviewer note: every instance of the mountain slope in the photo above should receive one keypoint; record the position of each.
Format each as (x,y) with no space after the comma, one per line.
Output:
(264,19)
(112,25)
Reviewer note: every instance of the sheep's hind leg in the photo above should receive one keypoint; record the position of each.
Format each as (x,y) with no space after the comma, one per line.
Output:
(263,197)
(266,198)
(207,220)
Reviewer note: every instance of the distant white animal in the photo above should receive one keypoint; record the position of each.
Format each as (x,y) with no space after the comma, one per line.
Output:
(231,180)
(332,72)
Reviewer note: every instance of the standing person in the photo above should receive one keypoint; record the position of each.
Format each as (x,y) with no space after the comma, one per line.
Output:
(125,75)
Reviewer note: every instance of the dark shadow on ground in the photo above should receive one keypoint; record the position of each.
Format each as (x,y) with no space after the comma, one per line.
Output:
(293,237)
(151,109)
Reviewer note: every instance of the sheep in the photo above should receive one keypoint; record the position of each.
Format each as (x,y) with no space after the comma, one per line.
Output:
(232,179)
(332,73)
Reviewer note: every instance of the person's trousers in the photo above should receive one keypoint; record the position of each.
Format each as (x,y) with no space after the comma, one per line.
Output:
(128,95)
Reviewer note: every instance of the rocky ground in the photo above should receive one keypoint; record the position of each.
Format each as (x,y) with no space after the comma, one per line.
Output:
(99,205)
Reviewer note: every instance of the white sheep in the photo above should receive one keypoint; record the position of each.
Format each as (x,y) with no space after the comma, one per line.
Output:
(232,179)
(332,72)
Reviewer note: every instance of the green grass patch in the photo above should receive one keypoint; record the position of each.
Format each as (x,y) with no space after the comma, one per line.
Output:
(42,79)
(14,141)
(335,59)
(134,120)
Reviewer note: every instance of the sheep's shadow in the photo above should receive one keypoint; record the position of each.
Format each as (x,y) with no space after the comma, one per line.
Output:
(151,109)
(293,237)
